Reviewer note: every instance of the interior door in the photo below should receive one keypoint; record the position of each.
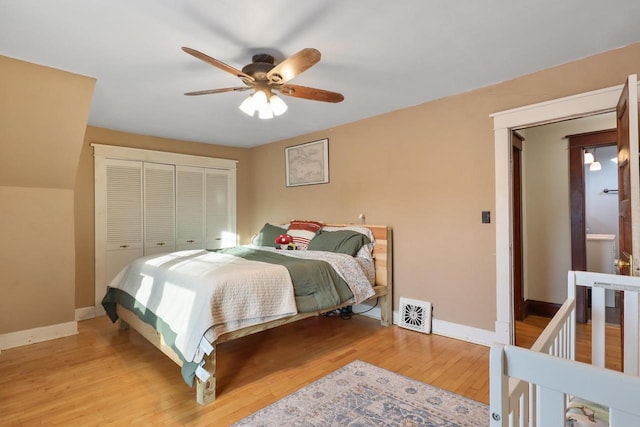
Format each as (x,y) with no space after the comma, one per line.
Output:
(220,229)
(628,186)
(159,208)
(628,177)
(190,207)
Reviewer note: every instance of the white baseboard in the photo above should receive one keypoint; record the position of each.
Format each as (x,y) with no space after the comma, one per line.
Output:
(439,327)
(463,332)
(31,336)
(85,313)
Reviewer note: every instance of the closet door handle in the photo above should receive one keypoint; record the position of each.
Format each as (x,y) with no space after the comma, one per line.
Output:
(190,241)
(160,243)
(124,246)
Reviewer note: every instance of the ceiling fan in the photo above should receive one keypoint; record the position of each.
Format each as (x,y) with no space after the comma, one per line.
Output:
(264,77)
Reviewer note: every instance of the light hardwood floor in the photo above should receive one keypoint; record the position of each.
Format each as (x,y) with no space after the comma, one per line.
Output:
(105,376)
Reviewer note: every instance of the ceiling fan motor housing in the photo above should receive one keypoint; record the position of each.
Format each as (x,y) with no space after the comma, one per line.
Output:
(261,65)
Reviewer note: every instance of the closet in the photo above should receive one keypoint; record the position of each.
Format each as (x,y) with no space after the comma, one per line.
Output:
(152,202)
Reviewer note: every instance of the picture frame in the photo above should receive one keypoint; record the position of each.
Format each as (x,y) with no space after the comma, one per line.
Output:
(307,164)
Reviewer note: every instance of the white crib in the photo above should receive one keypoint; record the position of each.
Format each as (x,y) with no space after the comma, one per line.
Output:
(533,388)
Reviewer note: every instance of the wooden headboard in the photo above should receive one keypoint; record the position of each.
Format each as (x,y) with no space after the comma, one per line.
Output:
(383,261)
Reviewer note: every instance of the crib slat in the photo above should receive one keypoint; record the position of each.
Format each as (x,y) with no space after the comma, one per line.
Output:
(631,333)
(551,406)
(514,417)
(597,327)
(533,403)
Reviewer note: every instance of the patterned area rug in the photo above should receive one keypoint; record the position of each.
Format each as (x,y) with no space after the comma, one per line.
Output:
(360,394)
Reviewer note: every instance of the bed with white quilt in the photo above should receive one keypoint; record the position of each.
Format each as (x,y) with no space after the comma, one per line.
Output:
(545,386)
(187,302)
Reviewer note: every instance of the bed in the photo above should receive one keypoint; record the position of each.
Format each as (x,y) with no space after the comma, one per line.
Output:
(257,278)
(545,386)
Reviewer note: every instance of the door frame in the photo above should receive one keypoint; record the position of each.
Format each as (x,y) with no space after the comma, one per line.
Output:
(504,122)
(519,306)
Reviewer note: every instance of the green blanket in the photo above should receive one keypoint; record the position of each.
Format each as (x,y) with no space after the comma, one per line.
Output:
(316,284)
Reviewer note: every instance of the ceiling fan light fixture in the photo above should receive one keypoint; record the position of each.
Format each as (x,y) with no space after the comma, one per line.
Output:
(248,106)
(259,99)
(595,165)
(278,106)
(265,112)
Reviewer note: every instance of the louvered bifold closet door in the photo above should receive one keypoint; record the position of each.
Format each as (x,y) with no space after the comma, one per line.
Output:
(124,214)
(220,223)
(189,208)
(159,208)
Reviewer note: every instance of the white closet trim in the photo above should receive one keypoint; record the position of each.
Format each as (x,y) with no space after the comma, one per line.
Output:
(128,153)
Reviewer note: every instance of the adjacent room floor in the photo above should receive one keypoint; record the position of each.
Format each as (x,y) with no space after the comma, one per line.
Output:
(528,331)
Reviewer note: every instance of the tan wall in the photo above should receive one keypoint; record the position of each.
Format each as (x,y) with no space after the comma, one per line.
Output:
(36,257)
(43,116)
(84,202)
(428,171)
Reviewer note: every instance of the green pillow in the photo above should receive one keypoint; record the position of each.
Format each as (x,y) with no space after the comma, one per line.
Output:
(267,236)
(341,241)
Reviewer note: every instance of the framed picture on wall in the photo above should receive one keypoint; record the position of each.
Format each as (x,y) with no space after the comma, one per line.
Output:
(307,163)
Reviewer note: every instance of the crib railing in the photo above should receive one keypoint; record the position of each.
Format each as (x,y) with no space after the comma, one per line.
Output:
(555,380)
(558,340)
(599,282)
(516,399)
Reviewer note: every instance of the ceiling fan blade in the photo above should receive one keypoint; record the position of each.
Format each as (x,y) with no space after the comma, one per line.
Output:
(293,65)
(310,93)
(212,61)
(226,89)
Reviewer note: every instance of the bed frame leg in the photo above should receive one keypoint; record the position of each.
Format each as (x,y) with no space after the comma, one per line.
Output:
(386,310)
(206,390)
(122,324)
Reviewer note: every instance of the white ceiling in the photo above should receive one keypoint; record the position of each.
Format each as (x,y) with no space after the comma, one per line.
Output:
(382,55)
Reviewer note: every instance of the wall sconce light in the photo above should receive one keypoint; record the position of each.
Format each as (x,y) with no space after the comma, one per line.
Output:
(595,165)
(266,103)
(588,157)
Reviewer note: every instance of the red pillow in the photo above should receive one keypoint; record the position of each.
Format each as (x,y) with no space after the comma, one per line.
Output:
(302,232)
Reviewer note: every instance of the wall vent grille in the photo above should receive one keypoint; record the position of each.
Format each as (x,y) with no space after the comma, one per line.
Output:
(415,315)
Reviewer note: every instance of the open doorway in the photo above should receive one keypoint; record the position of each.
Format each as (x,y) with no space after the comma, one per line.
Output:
(547,239)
